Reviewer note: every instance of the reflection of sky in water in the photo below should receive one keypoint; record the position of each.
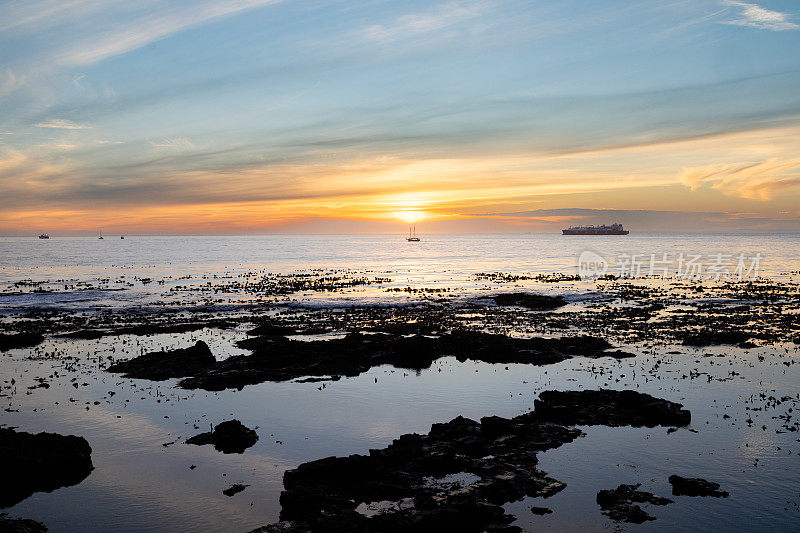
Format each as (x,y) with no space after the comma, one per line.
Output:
(439,261)
(139,483)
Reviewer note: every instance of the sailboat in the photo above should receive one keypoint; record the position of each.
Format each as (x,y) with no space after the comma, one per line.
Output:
(412,234)
(101,235)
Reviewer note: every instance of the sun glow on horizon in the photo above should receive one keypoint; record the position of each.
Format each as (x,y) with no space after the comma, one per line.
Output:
(410,216)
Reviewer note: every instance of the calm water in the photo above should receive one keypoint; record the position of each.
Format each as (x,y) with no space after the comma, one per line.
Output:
(139,484)
(437,261)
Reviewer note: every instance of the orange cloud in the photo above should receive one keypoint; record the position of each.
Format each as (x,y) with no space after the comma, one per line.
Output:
(756,181)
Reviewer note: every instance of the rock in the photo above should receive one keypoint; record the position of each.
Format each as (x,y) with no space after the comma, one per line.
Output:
(147,329)
(20,525)
(86,334)
(709,337)
(609,408)
(455,478)
(158,366)
(541,510)
(9,341)
(228,437)
(267,329)
(539,302)
(323,495)
(695,486)
(236,488)
(619,504)
(154,329)
(282,359)
(41,462)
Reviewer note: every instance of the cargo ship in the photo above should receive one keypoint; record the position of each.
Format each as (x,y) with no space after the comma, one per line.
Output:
(613,229)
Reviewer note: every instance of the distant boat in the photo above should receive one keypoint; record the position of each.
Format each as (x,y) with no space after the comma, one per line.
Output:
(412,234)
(101,235)
(613,229)
(44,236)
(122,236)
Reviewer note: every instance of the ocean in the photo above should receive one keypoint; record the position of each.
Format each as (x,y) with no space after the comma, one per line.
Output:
(94,271)
(147,478)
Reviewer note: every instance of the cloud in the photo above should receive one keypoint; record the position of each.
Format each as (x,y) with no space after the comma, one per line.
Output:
(61,124)
(755,16)
(178,143)
(756,181)
(645,220)
(129,33)
(52,36)
(10,81)
(433,20)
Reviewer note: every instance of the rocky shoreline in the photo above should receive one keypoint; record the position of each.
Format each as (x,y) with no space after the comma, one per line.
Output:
(462,472)
(276,358)
(409,477)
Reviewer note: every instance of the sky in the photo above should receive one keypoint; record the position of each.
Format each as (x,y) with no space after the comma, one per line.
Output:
(294,116)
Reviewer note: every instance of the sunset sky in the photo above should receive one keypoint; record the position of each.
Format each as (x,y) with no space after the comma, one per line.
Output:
(250,116)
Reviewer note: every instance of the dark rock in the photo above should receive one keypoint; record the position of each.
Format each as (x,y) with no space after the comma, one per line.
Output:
(9,341)
(541,510)
(20,525)
(154,329)
(317,380)
(146,329)
(236,488)
(86,334)
(282,359)
(709,337)
(41,462)
(268,329)
(619,504)
(323,495)
(455,478)
(618,354)
(159,366)
(695,486)
(228,437)
(609,408)
(539,302)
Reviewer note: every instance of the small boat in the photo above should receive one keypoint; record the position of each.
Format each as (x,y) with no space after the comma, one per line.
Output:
(122,236)
(412,234)
(101,235)
(44,236)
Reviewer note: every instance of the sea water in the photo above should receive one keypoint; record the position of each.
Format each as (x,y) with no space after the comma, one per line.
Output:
(143,477)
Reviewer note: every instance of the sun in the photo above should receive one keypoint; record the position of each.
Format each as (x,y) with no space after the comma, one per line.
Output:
(410,216)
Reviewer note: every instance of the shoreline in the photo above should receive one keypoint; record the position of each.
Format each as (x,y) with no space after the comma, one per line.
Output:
(660,327)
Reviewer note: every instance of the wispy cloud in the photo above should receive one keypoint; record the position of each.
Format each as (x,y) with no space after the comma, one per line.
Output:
(61,124)
(436,19)
(10,81)
(756,181)
(116,27)
(755,16)
(129,34)
(178,143)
